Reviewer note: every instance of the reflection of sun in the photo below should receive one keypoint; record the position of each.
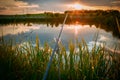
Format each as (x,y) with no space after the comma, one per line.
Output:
(75,28)
(77,6)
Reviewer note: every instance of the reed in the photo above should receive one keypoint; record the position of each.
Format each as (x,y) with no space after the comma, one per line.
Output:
(26,62)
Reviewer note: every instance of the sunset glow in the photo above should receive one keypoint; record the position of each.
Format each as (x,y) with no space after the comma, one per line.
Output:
(13,7)
(77,6)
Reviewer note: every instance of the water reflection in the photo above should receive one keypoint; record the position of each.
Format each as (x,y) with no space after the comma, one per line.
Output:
(108,27)
(16,29)
(22,33)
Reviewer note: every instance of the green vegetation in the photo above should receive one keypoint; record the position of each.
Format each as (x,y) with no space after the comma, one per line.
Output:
(105,18)
(26,62)
(97,16)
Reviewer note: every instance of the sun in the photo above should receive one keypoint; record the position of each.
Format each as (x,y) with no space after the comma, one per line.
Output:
(77,6)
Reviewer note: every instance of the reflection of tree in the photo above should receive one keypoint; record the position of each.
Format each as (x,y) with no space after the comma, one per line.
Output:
(51,24)
(56,24)
(107,19)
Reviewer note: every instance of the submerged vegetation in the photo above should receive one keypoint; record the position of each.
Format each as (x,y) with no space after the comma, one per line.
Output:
(28,62)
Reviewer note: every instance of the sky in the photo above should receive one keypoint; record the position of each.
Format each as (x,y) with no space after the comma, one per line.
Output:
(39,6)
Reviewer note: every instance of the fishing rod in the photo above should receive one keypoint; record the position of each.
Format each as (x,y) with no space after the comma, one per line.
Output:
(56,45)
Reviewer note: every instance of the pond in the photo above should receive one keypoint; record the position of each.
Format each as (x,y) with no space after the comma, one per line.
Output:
(22,33)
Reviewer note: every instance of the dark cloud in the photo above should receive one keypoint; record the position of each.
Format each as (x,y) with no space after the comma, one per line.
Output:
(97,2)
(116,3)
(36,1)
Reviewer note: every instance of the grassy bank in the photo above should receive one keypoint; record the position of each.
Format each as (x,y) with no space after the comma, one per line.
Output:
(27,62)
(105,17)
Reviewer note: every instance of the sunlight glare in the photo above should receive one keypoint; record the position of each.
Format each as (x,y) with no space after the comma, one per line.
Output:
(77,6)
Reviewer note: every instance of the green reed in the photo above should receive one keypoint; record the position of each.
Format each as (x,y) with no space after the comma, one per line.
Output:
(26,62)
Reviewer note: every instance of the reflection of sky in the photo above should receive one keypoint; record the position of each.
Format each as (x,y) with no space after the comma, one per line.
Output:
(48,34)
(15,29)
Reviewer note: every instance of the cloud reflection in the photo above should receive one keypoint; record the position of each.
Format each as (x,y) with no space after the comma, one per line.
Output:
(14,30)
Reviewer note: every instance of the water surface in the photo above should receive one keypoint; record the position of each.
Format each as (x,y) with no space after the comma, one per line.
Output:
(22,33)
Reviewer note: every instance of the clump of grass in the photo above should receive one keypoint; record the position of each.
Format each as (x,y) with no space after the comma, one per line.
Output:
(27,62)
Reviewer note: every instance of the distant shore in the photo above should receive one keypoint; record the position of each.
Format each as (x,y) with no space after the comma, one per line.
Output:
(104,19)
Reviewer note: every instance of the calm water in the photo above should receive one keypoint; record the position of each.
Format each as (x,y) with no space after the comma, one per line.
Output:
(22,33)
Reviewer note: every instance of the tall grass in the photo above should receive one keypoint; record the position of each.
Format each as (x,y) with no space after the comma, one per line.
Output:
(26,62)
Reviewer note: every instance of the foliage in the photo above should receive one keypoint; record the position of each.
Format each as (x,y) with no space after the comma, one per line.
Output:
(26,62)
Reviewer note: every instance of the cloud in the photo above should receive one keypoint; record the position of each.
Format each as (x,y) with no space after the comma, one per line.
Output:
(15,7)
(2,8)
(91,3)
(116,3)
(86,2)
(29,6)
(19,6)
